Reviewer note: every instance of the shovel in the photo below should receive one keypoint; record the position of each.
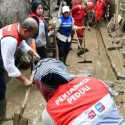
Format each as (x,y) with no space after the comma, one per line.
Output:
(81,50)
(84,56)
(18,118)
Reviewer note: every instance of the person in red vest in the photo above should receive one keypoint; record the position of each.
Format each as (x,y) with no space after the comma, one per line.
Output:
(74,100)
(12,37)
(90,10)
(100,10)
(78,14)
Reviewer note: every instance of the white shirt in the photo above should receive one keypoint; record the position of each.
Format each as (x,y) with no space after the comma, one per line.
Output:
(8,49)
(110,117)
(47,118)
(41,38)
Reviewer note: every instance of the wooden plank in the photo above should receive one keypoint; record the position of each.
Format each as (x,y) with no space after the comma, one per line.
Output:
(115,57)
(111,44)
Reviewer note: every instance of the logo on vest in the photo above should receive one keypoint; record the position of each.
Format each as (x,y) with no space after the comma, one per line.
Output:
(100,107)
(91,115)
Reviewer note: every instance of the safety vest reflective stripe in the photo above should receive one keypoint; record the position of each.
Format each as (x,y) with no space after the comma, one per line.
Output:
(63,38)
(94,112)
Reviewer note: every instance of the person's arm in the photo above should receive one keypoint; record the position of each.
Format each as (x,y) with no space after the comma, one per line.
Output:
(46,31)
(58,23)
(27,49)
(8,48)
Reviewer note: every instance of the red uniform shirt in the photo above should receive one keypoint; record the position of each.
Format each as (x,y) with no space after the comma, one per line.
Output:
(71,99)
(78,14)
(90,5)
(12,30)
(100,9)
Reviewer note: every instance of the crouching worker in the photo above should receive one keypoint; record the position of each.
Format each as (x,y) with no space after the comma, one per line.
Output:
(74,100)
(11,37)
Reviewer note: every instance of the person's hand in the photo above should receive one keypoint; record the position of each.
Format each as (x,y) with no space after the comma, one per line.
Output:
(34,55)
(28,82)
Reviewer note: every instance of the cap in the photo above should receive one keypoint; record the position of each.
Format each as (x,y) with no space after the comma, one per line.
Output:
(65,9)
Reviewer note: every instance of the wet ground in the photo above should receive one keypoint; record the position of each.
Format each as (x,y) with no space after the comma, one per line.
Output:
(100,68)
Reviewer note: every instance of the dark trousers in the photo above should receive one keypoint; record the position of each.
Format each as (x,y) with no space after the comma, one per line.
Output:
(42,52)
(67,1)
(64,48)
(2,80)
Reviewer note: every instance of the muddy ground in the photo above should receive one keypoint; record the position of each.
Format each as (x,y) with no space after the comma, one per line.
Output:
(100,68)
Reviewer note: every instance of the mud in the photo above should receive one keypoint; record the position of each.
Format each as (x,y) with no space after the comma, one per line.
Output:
(100,68)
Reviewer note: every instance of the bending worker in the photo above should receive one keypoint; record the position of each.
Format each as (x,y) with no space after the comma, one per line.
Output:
(74,100)
(11,37)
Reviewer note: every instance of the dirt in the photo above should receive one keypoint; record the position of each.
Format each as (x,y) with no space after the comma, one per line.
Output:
(100,68)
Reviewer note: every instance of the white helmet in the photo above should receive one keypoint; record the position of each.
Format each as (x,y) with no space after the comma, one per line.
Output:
(65,9)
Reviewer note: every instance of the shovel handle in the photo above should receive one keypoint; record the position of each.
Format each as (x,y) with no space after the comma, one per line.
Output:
(25,100)
(77,39)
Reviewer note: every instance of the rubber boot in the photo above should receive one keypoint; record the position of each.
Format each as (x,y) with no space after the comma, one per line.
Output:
(2,110)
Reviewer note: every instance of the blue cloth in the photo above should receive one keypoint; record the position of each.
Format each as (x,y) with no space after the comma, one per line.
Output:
(66,25)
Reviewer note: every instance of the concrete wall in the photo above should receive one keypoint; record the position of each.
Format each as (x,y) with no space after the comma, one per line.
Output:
(13,10)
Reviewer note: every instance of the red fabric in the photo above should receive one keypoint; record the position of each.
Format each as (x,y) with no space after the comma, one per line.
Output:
(90,5)
(76,2)
(99,9)
(34,15)
(78,14)
(12,30)
(65,106)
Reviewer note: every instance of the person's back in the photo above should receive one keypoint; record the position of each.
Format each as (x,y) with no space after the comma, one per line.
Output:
(83,101)
(99,10)
(74,100)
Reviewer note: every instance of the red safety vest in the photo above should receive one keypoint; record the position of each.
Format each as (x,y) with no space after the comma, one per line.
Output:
(100,9)
(90,5)
(11,30)
(34,15)
(72,99)
(78,14)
